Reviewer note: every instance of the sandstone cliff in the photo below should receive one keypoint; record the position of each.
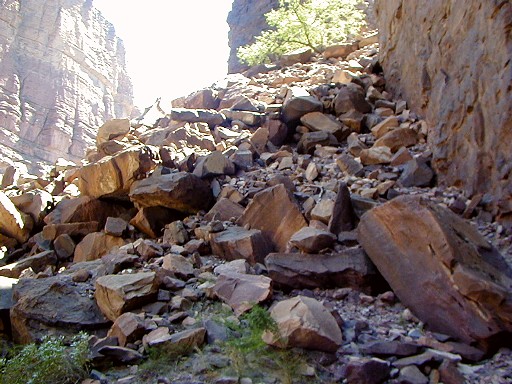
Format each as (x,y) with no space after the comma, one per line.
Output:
(62,74)
(451,61)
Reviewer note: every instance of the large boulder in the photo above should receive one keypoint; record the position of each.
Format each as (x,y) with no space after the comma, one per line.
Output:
(305,323)
(180,191)
(351,268)
(113,176)
(55,305)
(95,245)
(451,62)
(274,212)
(441,268)
(116,294)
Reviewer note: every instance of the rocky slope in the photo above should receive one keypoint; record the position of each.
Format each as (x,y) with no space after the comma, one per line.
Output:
(307,189)
(451,62)
(62,74)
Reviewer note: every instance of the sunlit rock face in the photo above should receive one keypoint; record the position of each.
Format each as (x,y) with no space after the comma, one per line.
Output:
(62,74)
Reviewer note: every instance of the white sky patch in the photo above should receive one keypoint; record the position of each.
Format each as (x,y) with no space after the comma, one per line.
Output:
(172,47)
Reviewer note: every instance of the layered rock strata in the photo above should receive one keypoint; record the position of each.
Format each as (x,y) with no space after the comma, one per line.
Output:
(62,74)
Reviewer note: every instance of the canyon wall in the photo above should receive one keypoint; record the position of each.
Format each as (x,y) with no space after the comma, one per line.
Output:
(62,74)
(451,60)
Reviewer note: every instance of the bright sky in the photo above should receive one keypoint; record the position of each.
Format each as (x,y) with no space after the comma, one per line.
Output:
(172,47)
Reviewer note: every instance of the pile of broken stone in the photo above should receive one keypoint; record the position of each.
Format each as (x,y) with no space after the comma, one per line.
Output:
(304,188)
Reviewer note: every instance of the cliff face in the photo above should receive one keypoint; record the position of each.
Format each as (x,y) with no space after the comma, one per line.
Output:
(451,61)
(246,20)
(62,74)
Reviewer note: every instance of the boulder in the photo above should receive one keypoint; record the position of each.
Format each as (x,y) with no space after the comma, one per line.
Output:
(343,217)
(202,99)
(36,203)
(74,230)
(211,117)
(113,129)
(180,191)
(15,224)
(339,50)
(312,240)
(274,212)
(304,322)
(397,138)
(350,268)
(224,209)
(351,97)
(349,165)
(214,164)
(416,173)
(127,328)
(317,121)
(175,233)
(241,291)
(152,220)
(38,263)
(115,226)
(113,176)
(240,243)
(385,126)
(179,265)
(116,294)
(301,55)
(376,155)
(55,305)
(310,140)
(176,344)
(95,245)
(299,102)
(368,371)
(444,270)
(64,246)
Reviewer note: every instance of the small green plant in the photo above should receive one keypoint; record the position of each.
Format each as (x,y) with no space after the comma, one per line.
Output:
(52,361)
(304,23)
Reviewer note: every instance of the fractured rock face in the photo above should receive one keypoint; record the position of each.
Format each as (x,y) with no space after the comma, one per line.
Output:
(443,270)
(54,95)
(430,60)
(305,323)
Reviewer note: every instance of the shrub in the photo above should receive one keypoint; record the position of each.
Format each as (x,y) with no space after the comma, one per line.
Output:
(304,23)
(49,362)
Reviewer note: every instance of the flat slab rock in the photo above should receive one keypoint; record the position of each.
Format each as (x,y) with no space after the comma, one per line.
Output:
(441,268)
(350,268)
(55,304)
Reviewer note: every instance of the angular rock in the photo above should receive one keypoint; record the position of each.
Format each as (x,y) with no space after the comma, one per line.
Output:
(346,163)
(274,212)
(15,224)
(115,226)
(412,375)
(38,263)
(304,322)
(301,55)
(449,276)
(177,344)
(323,211)
(297,105)
(55,304)
(397,138)
(116,294)
(367,371)
(64,247)
(350,268)
(339,50)
(214,164)
(75,230)
(241,291)
(312,240)
(416,173)
(343,216)
(376,155)
(36,203)
(351,97)
(180,191)
(127,328)
(240,243)
(152,220)
(113,176)
(390,348)
(202,99)
(95,245)
(175,233)
(317,121)
(210,117)
(179,265)
(224,210)
(112,129)
(310,140)
(385,126)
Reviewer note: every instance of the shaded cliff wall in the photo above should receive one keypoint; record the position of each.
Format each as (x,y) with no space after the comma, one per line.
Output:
(451,60)
(62,74)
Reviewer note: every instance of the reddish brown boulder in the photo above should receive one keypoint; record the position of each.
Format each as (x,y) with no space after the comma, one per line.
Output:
(95,245)
(224,209)
(441,268)
(305,323)
(274,212)
(128,328)
(180,191)
(37,262)
(14,224)
(239,243)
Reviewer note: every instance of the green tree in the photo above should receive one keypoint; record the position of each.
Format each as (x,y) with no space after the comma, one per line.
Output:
(304,23)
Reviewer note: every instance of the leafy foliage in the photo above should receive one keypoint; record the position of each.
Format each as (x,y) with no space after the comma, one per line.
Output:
(50,362)
(304,23)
